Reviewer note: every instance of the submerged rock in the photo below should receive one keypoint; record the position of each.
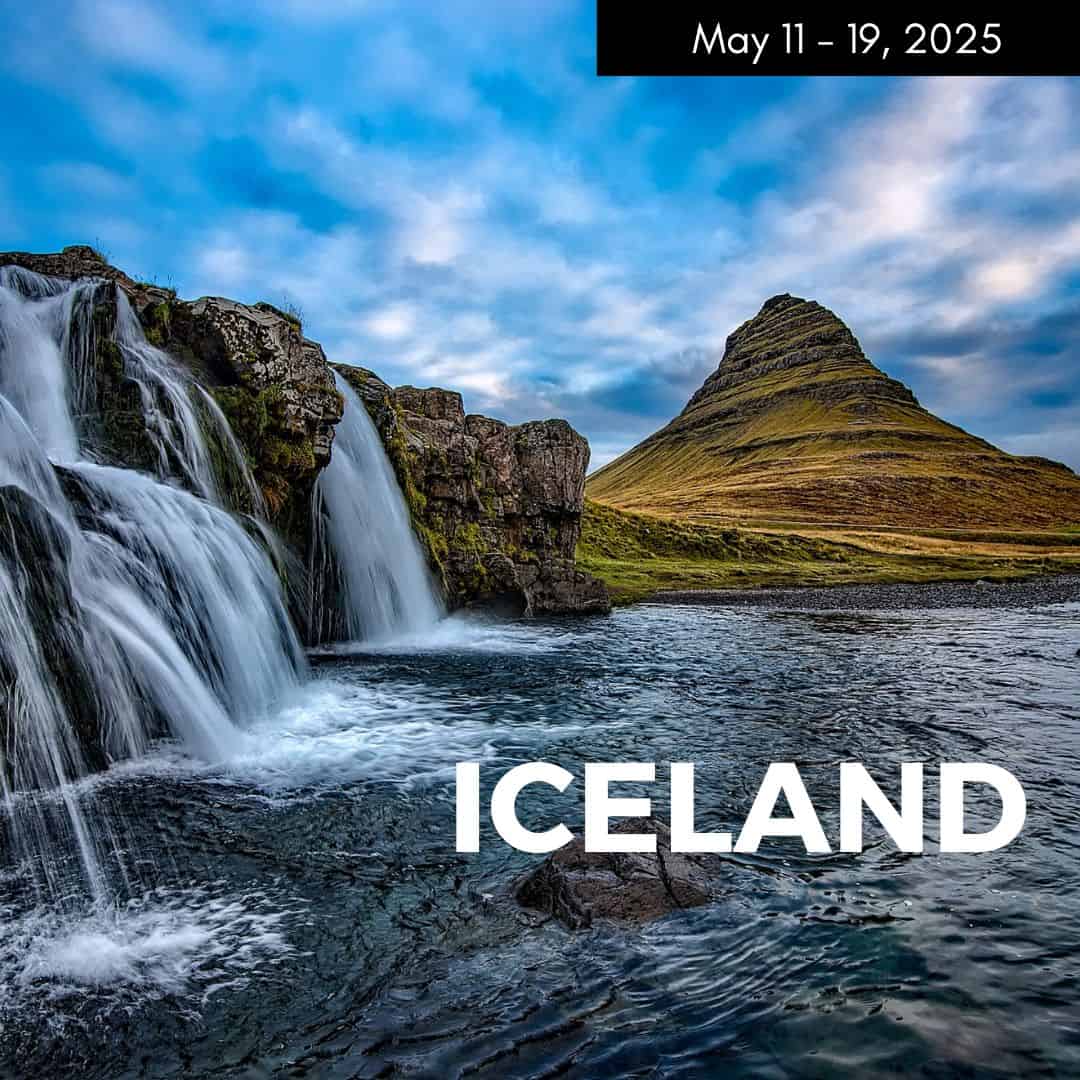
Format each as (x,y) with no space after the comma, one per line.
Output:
(498,506)
(577,886)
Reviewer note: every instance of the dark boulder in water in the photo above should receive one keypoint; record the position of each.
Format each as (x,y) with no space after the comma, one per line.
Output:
(577,886)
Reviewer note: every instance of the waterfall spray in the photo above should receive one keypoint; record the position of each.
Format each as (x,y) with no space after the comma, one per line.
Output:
(129,607)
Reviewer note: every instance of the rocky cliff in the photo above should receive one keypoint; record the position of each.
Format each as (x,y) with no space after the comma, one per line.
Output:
(273,384)
(497,506)
(35,557)
(797,425)
(274,387)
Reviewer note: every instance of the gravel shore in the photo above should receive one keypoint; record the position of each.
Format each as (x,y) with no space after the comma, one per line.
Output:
(947,594)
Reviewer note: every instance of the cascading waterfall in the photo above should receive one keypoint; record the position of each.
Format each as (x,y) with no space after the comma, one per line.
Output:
(42,322)
(364,541)
(172,416)
(129,607)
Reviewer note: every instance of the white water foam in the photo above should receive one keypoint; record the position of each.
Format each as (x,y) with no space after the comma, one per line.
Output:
(188,943)
(459,633)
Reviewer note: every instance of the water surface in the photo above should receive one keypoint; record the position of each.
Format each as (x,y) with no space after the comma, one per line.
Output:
(300,911)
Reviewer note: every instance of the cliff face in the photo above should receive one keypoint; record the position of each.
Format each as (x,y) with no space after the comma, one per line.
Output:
(35,558)
(498,507)
(274,386)
(797,425)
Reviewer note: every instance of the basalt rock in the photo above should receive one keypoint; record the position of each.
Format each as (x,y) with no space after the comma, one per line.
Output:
(274,386)
(35,556)
(76,261)
(797,425)
(497,506)
(578,887)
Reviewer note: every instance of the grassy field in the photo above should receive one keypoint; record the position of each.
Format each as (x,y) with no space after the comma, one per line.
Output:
(637,555)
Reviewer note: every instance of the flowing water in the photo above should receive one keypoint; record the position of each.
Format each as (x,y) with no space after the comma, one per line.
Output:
(326,928)
(126,602)
(365,544)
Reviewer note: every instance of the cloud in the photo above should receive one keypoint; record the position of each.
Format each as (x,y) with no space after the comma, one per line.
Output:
(448,192)
(137,34)
(592,296)
(392,323)
(432,228)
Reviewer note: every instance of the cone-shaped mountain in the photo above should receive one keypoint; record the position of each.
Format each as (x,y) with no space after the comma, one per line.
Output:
(796,424)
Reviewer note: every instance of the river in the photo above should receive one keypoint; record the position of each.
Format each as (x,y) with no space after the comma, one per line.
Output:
(299,910)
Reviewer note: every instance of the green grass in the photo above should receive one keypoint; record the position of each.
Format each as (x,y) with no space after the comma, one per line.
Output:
(288,311)
(637,555)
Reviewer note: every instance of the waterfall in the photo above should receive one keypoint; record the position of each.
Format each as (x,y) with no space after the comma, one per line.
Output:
(41,321)
(172,415)
(129,607)
(364,540)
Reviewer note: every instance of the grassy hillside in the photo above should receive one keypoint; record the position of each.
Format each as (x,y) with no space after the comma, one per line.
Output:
(796,425)
(637,555)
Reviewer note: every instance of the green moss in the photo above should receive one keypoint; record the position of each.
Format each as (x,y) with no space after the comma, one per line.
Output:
(110,359)
(156,323)
(404,461)
(248,414)
(477,581)
(285,456)
(415,499)
(277,460)
(230,483)
(435,544)
(427,524)
(467,537)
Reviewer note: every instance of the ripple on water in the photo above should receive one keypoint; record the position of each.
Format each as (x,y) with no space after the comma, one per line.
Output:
(405,956)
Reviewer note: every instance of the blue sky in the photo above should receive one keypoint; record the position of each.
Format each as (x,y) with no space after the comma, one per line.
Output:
(451,197)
